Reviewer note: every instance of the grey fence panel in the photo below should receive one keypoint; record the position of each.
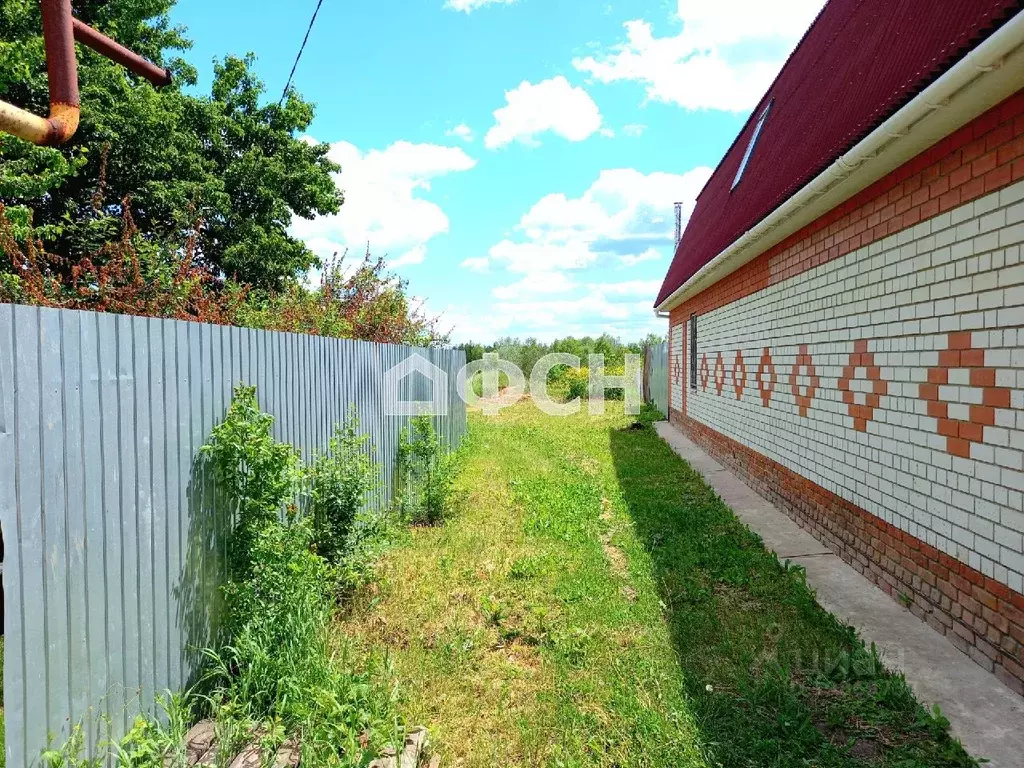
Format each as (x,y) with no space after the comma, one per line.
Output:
(31,520)
(113,549)
(656,371)
(9,497)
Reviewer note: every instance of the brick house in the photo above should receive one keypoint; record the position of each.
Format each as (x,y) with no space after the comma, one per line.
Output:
(846,307)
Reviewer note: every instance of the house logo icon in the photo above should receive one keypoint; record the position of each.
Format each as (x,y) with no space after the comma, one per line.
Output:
(425,395)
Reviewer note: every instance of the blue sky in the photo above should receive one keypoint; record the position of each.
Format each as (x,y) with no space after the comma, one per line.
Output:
(517,160)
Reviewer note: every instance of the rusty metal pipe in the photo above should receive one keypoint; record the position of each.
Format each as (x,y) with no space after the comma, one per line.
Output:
(102,44)
(60,30)
(62,73)
(61,70)
(24,125)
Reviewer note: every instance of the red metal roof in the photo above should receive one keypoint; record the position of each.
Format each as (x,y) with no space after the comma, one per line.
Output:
(860,61)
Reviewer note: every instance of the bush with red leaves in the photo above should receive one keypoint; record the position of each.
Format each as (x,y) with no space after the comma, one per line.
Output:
(135,276)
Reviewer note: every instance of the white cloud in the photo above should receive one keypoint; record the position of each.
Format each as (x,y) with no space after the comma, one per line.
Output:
(725,57)
(468,6)
(383,203)
(539,283)
(539,256)
(476,264)
(551,105)
(630,260)
(561,250)
(628,288)
(552,313)
(461,131)
(413,256)
(466,325)
(625,214)
(548,318)
(590,314)
(634,130)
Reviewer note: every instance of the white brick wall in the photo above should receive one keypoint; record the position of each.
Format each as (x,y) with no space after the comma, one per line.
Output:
(675,366)
(960,271)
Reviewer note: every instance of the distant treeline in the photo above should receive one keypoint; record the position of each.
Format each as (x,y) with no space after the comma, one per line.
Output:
(525,352)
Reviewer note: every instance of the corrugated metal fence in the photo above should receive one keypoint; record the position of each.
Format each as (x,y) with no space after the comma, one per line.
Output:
(113,552)
(656,375)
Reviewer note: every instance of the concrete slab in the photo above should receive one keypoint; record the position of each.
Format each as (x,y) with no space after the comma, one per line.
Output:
(985,715)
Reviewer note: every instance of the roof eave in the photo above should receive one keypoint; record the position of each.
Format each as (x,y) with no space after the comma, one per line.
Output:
(983,78)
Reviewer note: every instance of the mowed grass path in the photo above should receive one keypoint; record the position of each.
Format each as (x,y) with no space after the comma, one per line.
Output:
(591,602)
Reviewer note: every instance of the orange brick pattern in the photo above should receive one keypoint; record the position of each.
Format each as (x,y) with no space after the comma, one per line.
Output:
(862,413)
(804,395)
(961,356)
(739,375)
(719,374)
(766,378)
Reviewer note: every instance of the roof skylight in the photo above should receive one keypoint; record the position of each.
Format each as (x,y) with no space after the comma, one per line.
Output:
(751,145)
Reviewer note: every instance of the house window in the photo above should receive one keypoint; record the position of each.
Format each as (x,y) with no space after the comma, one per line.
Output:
(693,351)
(751,145)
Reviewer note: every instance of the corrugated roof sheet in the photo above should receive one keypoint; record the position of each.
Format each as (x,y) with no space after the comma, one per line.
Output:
(857,65)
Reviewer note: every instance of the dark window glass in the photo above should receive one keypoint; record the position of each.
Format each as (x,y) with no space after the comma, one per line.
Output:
(693,351)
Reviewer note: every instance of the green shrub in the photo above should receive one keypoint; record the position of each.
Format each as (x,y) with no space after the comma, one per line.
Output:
(342,480)
(284,669)
(577,382)
(280,673)
(71,754)
(256,474)
(425,473)
(371,532)
(150,743)
(556,373)
(615,393)
(282,612)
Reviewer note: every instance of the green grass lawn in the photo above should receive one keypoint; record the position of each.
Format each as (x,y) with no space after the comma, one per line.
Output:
(591,602)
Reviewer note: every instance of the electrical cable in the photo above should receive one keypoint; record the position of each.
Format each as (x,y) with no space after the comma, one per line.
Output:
(302,48)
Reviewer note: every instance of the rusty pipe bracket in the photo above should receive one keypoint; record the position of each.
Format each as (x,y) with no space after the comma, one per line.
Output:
(60,30)
(117,53)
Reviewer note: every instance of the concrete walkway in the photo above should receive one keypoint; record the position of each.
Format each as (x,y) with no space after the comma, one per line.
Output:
(986,715)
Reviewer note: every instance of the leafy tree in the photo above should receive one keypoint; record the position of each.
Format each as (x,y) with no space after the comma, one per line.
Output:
(473,351)
(650,340)
(225,165)
(425,473)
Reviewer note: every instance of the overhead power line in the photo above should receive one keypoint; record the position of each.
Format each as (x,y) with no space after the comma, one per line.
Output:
(298,56)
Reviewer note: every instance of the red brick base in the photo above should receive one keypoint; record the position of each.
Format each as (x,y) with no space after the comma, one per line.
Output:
(980,616)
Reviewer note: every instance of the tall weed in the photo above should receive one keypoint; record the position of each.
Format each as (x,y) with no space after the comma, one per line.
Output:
(343,480)
(426,473)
